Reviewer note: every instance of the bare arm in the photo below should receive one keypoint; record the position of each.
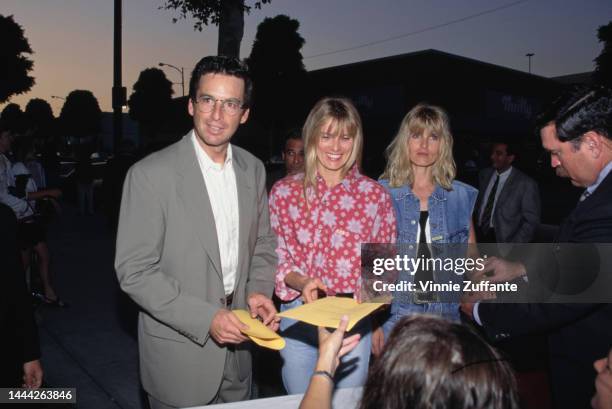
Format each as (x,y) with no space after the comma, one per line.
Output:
(332,346)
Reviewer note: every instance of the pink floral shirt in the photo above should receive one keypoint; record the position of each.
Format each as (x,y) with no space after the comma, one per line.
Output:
(324,241)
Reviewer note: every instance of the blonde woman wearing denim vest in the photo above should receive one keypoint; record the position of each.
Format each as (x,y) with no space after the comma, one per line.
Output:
(431,208)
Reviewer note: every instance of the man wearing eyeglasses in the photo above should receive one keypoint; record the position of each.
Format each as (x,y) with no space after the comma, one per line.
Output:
(194,242)
(577,133)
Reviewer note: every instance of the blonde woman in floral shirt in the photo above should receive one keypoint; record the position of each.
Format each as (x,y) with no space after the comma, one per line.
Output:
(321,217)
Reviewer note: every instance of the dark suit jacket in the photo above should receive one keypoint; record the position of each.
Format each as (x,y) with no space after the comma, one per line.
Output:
(578,334)
(517,211)
(17,326)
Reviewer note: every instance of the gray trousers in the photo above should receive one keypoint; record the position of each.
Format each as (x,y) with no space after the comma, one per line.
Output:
(232,389)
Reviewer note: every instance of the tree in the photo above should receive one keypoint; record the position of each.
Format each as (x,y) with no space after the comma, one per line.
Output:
(80,116)
(39,115)
(279,77)
(603,63)
(13,117)
(150,102)
(227,14)
(15,66)
(41,123)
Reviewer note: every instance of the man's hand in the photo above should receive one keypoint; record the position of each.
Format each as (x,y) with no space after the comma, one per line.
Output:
(32,375)
(225,328)
(603,383)
(333,346)
(310,291)
(498,270)
(468,309)
(263,307)
(475,296)
(378,341)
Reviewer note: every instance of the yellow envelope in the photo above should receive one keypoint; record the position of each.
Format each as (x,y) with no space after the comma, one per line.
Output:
(259,333)
(326,312)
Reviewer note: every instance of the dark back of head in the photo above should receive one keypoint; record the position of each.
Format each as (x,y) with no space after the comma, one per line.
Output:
(219,64)
(23,148)
(432,363)
(579,111)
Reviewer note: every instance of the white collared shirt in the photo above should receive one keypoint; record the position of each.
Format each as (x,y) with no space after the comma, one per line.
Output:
(503,177)
(220,183)
(7,180)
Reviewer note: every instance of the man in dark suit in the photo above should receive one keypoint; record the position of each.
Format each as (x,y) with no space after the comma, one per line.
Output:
(579,140)
(21,353)
(508,204)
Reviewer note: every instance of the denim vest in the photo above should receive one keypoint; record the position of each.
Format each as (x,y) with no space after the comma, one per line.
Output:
(450,213)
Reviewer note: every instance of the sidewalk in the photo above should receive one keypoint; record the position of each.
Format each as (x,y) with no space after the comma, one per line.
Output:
(90,345)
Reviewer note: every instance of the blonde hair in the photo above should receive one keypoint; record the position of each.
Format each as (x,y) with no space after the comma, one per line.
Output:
(422,118)
(345,118)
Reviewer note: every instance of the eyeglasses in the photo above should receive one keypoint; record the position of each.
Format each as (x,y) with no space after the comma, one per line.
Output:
(230,106)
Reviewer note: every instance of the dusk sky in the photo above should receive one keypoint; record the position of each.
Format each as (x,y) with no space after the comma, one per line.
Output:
(72,40)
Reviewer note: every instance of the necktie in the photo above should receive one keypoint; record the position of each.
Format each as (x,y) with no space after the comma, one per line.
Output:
(584,195)
(485,219)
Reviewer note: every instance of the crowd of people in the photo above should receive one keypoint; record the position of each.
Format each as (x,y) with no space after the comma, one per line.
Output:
(199,236)
(201,233)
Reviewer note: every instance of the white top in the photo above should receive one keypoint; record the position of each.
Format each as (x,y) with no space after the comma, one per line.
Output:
(7,179)
(343,398)
(37,172)
(19,168)
(503,177)
(220,181)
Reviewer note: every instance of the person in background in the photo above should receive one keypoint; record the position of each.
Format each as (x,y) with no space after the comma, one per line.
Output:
(321,217)
(428,362)
(20,353)
(431,207)
(507,212)
(293,157)
(84,177)
(508,205)
(20,194)
(603,383)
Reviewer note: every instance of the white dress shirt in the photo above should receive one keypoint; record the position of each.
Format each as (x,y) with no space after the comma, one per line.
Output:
(503,177)
(220,183)
(7,180)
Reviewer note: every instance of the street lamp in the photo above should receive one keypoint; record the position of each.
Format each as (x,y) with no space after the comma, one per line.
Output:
(56,97)
(163,64)
(529,55)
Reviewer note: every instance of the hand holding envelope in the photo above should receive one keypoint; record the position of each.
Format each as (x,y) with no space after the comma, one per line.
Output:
(258,332)
(327,312)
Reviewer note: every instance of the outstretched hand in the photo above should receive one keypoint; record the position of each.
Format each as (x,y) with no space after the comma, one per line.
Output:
(333,346)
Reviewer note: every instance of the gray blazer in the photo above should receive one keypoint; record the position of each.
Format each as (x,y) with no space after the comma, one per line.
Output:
(517,211)
(168,261)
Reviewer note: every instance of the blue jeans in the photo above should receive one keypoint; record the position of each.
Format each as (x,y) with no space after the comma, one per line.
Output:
(450,311)
(301,352)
